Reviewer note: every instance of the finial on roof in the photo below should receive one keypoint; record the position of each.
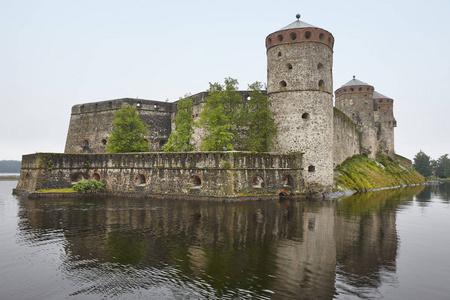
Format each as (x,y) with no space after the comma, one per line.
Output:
(353,76)
(298,16)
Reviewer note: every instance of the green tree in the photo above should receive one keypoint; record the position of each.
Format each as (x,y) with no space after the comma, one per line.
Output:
(422,164)
(128,132)
(181,139)
(442,167)
(221,116)
(259,120)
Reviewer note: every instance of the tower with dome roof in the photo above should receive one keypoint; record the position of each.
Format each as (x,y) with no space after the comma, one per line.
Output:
(355,99)
(300,89)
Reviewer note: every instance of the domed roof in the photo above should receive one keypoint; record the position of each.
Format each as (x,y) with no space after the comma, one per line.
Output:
(355,81)
(377,95)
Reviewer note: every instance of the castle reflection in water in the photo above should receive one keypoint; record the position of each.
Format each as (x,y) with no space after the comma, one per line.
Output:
(282,249)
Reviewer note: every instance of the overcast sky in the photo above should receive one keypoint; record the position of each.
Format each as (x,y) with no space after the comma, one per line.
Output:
(55,54)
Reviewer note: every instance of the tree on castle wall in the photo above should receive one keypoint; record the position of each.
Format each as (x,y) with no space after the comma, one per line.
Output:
(181,139)
(221,116)
(128,132)
(259,120)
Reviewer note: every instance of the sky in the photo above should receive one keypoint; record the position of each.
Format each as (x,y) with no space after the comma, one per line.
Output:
(55,54)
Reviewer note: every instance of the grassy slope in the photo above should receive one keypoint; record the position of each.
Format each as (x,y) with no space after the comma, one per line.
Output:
(362,173)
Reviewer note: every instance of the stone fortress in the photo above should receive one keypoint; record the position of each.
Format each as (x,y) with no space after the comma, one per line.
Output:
(313,136)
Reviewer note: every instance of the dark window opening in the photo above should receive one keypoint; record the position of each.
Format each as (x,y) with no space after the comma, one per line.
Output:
(311,168)
(104,141)
(140,179)
(293,35)
(305,116)
(279,37)
(321,85)
(321,36)
(258,182)
(320,66)
(283,84)
(95,176)
(195,180)
(289,66)
(308,34)
(279,54)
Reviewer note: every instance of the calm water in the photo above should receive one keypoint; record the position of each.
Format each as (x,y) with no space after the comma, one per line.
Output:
(387,245)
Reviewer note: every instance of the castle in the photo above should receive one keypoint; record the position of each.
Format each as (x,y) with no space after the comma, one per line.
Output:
(300,90)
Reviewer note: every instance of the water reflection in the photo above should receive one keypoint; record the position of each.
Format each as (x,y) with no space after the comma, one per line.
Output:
(174,249)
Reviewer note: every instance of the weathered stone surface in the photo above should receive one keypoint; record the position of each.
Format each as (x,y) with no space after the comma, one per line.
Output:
(347,138)
(91,124)
(222,174)
(300,87)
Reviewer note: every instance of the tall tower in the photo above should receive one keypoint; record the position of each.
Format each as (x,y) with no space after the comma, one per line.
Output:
(385,121)
(355,99)
(300,87)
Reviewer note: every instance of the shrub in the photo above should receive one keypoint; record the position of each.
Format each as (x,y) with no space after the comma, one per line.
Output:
(89,186)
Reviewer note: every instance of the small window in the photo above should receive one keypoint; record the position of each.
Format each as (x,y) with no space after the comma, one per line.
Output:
(104,141)
(195,180)
(320,66)
(308,35)
(288,181)
(258,182)
(76,176)
(351,89)
(95,176)
(321,36)
(360,88)
(305,116)
(279,54)
(283,84)
(140,180)
(293,35)
(329,40)
(321,85)
(280,38)
(311,169)
(289,66)
(269,40)
(139,104)
(162,143)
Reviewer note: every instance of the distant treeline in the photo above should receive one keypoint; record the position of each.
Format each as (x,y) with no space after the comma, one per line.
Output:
(10,166)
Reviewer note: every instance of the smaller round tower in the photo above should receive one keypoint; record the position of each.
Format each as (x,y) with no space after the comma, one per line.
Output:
(355,99)
(385,122)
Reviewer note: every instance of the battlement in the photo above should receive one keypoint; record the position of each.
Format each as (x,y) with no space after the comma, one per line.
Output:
(116,104)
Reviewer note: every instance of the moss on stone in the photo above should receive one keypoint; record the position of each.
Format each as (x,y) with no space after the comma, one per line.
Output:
(362,173)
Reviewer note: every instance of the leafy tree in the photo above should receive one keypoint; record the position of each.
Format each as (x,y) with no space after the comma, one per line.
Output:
(128,132)
(422,164)
(442,167)
(181,139)
(221,116)
(259,120)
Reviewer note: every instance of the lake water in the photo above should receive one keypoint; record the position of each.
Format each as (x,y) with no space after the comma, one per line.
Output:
(391,244)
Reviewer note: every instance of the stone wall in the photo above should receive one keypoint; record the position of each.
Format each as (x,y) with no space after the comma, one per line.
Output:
(222,174)
(91,124)
(347,138)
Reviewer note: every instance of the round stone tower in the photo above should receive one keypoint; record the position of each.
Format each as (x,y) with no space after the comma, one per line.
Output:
(355,99)
(385,122)
(300,87)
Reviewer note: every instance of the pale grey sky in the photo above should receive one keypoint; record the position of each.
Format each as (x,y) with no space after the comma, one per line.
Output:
(55,54)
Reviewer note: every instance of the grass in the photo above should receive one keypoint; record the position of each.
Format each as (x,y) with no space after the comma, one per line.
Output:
(362,173)
(8,177)
(66,190)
